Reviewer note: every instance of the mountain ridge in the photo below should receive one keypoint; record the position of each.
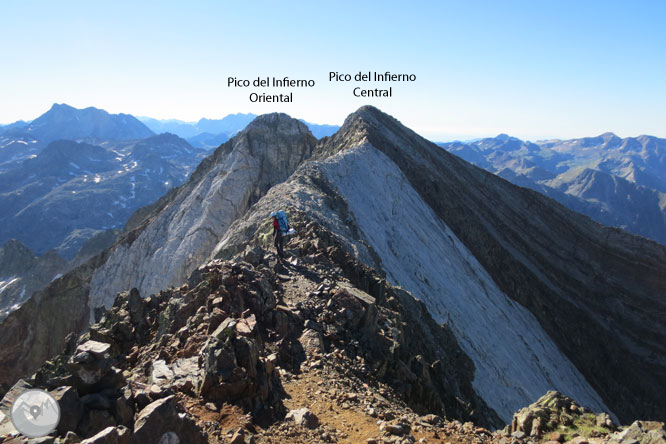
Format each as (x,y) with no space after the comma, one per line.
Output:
(356,128)
(633,202)
(495,255)
(557,275)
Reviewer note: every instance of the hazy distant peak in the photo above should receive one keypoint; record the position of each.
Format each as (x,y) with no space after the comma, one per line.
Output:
(63,121)
(61,106)
(234,116)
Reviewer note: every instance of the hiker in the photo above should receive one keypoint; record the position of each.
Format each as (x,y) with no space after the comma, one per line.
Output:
(277,235)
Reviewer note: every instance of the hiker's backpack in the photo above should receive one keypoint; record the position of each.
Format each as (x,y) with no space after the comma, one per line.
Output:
(282,220)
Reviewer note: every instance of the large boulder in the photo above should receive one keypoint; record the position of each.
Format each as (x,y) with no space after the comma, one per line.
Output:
(110,435)
(71,408)
(303,417)
(312,343)
(90,365)
(159,421)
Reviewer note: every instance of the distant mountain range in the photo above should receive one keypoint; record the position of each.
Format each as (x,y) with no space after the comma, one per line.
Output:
(211,133)
(22,140)
(617,182)
(66,122)
(229,125)
(71,179)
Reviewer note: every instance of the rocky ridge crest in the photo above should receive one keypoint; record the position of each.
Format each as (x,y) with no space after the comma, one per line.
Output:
(226,344)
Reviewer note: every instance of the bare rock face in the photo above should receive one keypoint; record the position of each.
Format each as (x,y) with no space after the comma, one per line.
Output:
(182,235)
(573,275)
(43,322)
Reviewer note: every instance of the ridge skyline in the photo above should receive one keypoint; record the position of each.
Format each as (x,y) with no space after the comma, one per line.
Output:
(447,138)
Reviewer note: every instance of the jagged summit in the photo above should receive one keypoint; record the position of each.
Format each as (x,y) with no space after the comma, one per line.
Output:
(367,124)
(370,117)
(62,107)
(65,111)
(279,122)
(15,248)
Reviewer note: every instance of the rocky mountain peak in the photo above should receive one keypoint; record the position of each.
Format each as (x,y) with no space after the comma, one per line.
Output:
(278,123)
(367,124)
(62,112)
(605,140)
(61,108)
(371,117)
(608,135)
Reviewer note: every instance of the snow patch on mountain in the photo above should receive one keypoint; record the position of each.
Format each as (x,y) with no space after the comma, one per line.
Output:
(516,361)
(7,282)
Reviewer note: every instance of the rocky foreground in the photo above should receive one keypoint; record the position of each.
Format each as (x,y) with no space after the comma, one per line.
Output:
(314,349)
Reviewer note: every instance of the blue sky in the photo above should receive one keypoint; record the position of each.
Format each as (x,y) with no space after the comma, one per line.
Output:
(531,69)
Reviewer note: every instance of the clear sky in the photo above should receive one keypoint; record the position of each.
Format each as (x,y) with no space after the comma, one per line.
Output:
(532,69)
